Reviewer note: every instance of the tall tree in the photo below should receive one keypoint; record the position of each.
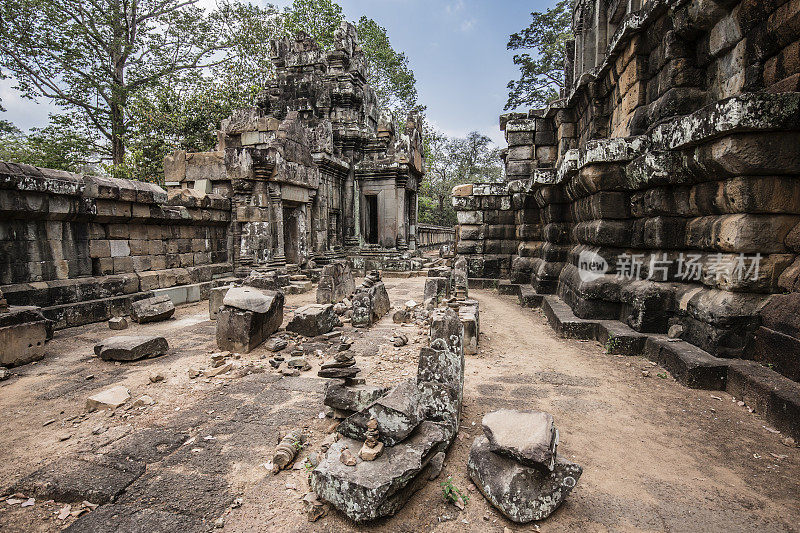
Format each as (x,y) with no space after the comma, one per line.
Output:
(60,145)
(449,162)
(319,19)
(94,56)
(388,71)
(542,75)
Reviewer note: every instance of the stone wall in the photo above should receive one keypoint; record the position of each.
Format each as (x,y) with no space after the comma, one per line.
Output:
(666,173)
(84,247)
(433,236)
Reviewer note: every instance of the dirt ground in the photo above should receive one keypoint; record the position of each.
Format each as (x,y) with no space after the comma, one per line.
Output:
(656,456)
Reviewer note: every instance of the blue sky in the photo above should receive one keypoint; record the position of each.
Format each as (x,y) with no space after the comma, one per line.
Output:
(457,49)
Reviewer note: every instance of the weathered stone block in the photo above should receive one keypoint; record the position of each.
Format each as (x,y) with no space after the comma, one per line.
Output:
(398,413)
(152,309)
(313,319)
(131,347)
(335,283)
(247,317)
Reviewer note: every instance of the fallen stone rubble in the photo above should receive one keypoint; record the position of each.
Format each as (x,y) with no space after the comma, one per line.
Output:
(247,317)
(415,421)
(370,301)
(516,467)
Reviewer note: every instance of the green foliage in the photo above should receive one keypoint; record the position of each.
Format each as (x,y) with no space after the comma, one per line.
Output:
(450,162)
(93,58)
(319,19)
(612,344)
(541,75)
(452,493)
(388,71)
(62,145)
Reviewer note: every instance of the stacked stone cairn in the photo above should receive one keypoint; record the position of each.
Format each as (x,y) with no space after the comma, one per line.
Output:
(370,301)
(516,467)
(415,422)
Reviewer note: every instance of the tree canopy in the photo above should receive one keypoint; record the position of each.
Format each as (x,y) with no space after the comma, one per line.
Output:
(451,161)
(541,75)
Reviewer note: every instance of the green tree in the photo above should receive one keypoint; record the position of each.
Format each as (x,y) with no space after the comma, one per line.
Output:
(319,19)
(541,76)
(94,57)
(450,162)
(60,145)
(388,71)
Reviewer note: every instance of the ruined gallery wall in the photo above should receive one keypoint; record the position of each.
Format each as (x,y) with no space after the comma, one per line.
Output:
(84,247)
(676,165)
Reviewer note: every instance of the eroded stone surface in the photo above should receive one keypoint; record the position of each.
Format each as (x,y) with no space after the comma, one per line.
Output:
(398,413)
(351,398)
(248,316)
(335,283)
(131,347)
(529,437)
(521,493)
(313,320)
(152,309)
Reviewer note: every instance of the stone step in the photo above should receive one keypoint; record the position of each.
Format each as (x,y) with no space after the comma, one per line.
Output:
(768,393)
(506,287)
(483,283)
(528,297)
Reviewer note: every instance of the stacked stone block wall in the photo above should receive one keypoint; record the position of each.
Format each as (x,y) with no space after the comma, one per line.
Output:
(677,152)
(82,247)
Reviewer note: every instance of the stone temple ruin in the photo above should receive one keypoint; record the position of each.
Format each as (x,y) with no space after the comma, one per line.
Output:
(316,170)
(656,206)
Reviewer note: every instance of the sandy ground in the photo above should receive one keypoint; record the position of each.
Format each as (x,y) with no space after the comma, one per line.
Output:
(656,455)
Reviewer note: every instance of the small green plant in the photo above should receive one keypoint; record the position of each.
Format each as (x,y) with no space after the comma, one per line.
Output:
(453,494)
(662,375)
(612,344)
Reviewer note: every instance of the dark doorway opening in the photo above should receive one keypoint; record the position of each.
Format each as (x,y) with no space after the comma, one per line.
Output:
(291,234)
(371,219)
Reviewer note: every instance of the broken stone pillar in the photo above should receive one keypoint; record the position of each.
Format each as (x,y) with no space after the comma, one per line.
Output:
(152,309)
(370,302)
(468,313)
(460,282)
(313,320)
(23,334)
(335,283)
(437,289)
(247,317)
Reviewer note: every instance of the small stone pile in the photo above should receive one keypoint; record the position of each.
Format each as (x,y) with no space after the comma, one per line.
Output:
(342,365)
(373,447)
(515,465)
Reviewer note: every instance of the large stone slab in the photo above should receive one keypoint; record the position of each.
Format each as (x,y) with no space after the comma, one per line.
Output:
(70,480)
(354,398)
(374,489)
(152,309)
(108,399)
(313,319)
(529,437)
(397,413)
(131,347)
(335,283)
(520,492)
(247,317)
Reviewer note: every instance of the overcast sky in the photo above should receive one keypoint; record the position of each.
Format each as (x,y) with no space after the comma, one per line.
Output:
(457,49)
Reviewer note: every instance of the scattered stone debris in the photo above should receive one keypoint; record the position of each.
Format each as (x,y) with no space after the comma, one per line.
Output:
(300,363)
(347,458)
(342,366)
(399,339)
(108,399)
(222,369)
(156,377)
(117,323)
(518,471)
(287,450)
(152,309)
(4,373)
(314,507)
(144,401)
(131,347)
(276,344)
